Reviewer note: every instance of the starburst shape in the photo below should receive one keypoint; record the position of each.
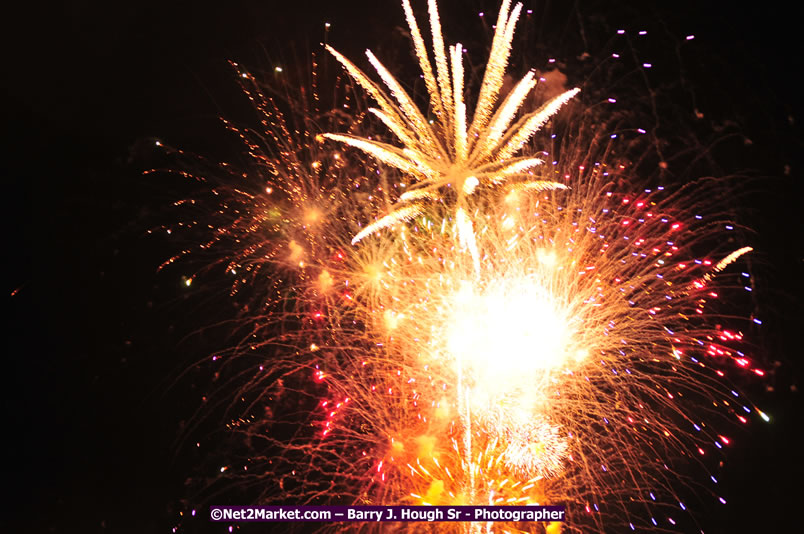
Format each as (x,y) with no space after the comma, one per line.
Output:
(450,153)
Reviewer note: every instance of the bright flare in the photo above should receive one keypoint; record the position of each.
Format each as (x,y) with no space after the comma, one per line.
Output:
(513,329)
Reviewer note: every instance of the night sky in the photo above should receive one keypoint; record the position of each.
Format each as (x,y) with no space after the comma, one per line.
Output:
(97,338)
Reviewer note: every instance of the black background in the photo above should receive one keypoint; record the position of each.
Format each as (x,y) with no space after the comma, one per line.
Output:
(95,336)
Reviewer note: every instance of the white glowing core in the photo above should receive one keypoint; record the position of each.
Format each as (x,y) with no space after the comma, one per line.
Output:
(510,330)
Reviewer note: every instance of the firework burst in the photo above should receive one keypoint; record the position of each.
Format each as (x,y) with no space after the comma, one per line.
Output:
(450,153)
(519,333)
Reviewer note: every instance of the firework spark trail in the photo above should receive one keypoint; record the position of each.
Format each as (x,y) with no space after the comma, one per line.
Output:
(532,334)
(447,155)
